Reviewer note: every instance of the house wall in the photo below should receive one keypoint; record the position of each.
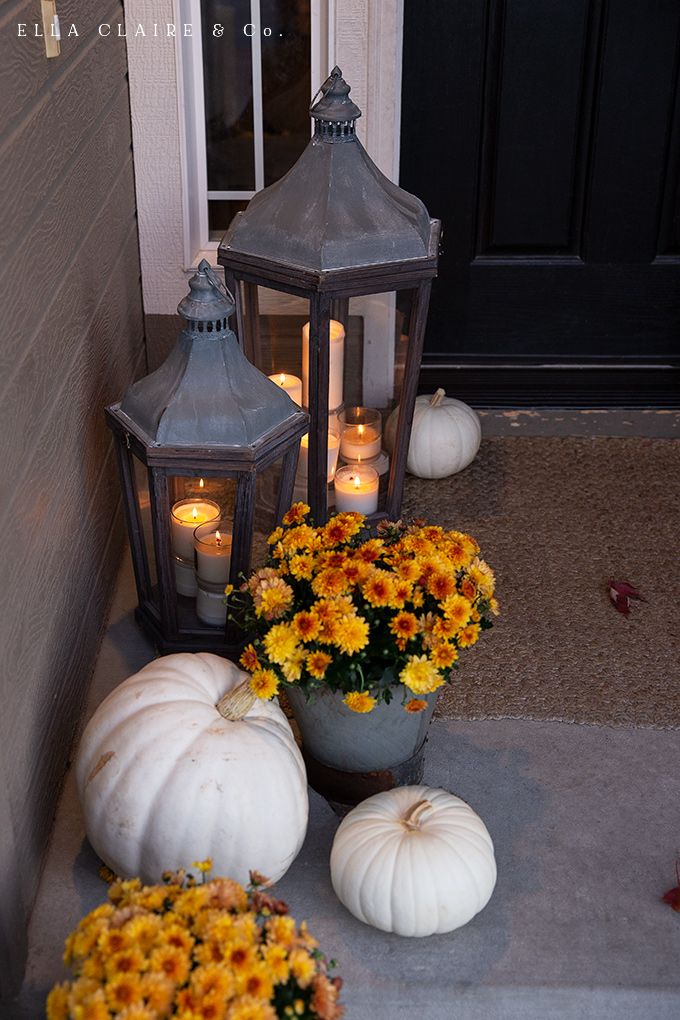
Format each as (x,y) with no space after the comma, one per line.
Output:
(71,339)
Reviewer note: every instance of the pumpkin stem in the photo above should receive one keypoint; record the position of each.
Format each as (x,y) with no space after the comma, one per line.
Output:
(235,704)
(411,819)
(437,397)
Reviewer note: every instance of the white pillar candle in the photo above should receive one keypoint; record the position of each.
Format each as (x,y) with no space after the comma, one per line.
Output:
(186,515)
(356,488)
(213,553)
(360,442)
(290,383)
(336,364)
(185,578)
(210,605)
(333,450)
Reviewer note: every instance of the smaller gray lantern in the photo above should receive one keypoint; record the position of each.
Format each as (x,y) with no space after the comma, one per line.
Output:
(195,440)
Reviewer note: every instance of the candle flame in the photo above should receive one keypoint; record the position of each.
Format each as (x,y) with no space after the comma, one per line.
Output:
(201,483)
(218,538)
(360,430)
(282,379)
(194,513)
(357,481)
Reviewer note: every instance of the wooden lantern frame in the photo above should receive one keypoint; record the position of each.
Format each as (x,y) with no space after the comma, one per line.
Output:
(172,627)
(328,293)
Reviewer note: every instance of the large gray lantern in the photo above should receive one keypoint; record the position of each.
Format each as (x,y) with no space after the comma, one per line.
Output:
(197,442)
(335,229)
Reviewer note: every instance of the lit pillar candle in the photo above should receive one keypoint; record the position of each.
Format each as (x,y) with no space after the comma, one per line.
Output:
(333,449)
(361,431)
(356,488)
(186,515)
(336,356)
(213,552)
(210,605)
(290,383)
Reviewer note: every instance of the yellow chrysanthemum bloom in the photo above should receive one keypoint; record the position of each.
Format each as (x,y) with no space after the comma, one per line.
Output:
(281,930)
(280,643)
(336,532)
(301,566)
(359,701)
(317,663)
(440,584)
(457,609)
(420,676)
(292,667)
(264,683)
(256,981)
(468,635)
(296,514)
(302,966)
(113,941)
(483,576)
(248,1008)
(211,979)
(352,635)
(494,606)
(128,961)
(302,537)
(125,990)
(57,1003)
(273,598)
(276,959)
(157,991)
(276,536)
(171,962)
(137,1012)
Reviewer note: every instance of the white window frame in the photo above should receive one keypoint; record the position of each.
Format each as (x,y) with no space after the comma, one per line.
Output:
(196,194)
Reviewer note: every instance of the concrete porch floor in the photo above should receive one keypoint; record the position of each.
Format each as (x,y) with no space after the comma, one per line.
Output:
(586,824)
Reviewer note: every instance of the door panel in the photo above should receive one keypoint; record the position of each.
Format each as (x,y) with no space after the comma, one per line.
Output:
(546,136)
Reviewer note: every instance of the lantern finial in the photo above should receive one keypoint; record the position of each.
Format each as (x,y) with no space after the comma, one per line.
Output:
(334,107)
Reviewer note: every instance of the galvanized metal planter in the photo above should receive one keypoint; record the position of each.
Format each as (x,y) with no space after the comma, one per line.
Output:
(350,756)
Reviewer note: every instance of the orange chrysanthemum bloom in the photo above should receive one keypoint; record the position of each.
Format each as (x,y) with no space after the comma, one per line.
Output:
(407,570)
(157,991)
(467,588)
(330,582)
(171,962)
(336,531)
(443,655)
(457,609)
(441,585)
(402,593)
(355,571)
(468,635)
(444,628)
(415,705)
(335,558)
(317,663)
(306,625)
(296,514)
(125,990)
(249,659)
(405,626)
(378,589)
(301,537)
(371,550)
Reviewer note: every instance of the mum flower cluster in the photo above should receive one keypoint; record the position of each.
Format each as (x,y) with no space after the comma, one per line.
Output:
(213,951)
(337,607)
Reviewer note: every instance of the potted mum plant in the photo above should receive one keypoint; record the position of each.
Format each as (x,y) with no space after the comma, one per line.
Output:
(207,951)
(362,631)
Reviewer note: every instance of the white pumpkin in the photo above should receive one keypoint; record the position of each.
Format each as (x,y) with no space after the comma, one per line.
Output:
(414,860)
(445,436)
(181,763)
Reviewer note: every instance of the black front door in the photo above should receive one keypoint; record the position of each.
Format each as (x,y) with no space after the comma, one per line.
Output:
(546,136)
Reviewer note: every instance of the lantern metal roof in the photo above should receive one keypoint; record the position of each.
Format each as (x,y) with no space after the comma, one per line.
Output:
(334,209)
(206,393)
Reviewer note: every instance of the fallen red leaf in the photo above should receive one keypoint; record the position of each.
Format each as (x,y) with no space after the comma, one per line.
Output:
(621,592)
(672,897)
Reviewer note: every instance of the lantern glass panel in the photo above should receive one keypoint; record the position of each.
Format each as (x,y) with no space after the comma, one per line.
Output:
(143,499)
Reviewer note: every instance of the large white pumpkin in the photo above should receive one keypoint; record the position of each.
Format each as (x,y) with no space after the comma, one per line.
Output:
(414,860)
(165,779)
(445,436)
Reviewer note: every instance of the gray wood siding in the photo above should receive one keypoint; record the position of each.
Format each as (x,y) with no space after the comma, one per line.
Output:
(71,340)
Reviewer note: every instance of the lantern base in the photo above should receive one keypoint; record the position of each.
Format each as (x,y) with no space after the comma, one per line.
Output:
(197,639)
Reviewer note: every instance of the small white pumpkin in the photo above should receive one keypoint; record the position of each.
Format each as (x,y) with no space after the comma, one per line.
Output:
(181,763)
(445,436)
(414,860)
